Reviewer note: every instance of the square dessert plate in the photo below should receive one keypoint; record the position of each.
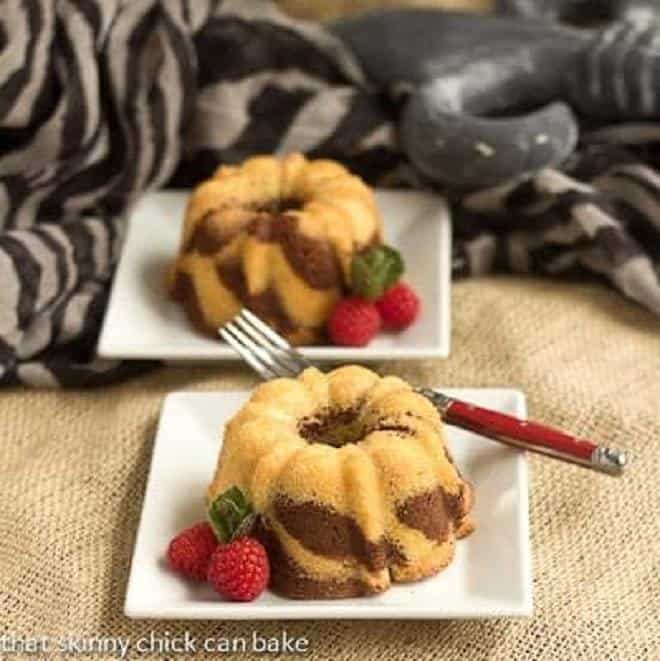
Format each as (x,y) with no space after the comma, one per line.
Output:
(490,575)
(143,322)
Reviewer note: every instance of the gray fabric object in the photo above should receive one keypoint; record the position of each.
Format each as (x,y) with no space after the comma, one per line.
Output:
(100,101)
(488,98)
(579,11)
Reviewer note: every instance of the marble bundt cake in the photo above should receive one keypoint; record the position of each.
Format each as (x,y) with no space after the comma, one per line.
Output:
(277,236)
(351,478)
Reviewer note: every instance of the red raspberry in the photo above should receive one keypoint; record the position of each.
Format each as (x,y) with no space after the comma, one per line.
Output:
(189,553)
(353,322)
(398,306)
(239,570)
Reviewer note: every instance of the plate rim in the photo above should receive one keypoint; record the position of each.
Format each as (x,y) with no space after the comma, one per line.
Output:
(335,610)
(108,348)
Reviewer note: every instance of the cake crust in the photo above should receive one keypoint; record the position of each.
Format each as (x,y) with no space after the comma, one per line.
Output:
(368,499)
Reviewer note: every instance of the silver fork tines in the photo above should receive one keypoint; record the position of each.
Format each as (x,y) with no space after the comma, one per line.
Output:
(266,352)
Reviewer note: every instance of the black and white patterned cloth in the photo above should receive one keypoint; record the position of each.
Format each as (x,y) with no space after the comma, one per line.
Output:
(101,100)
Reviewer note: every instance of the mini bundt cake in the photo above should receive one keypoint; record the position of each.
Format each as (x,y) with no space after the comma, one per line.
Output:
(352,481)
(277,236)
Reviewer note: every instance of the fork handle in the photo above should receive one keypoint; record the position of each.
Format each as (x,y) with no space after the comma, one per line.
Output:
(528,435)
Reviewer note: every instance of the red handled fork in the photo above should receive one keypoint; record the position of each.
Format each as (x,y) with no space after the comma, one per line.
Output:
(271,356)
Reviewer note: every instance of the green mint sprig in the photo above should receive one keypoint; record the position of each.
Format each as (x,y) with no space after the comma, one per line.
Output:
(375,270)
(231,515)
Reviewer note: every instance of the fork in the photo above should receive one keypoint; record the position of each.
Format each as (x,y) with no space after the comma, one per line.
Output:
(271,356)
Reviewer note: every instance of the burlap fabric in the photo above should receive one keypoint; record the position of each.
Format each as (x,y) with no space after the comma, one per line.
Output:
(73,467)
(321,10)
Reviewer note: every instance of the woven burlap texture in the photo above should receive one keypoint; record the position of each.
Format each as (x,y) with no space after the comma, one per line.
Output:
(328,10)
(73,467)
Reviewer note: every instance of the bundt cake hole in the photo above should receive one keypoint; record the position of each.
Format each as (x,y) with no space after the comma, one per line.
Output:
(278,206)
(338,427)
(335,427)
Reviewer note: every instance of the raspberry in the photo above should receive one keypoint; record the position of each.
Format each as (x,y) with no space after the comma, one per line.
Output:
(353,322)
(190,551)
(239,570)
(398,306)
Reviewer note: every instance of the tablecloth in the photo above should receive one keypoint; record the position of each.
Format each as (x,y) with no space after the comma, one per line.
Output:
(73,466)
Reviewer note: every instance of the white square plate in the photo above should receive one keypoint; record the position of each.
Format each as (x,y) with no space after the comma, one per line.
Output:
(142,322)
(489,577)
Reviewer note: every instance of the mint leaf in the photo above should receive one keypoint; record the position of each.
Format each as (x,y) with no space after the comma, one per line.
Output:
(375,270)
(227,514)
(246,526)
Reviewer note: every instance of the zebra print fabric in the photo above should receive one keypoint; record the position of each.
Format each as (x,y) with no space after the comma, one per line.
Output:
(598,218)
(101,100)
